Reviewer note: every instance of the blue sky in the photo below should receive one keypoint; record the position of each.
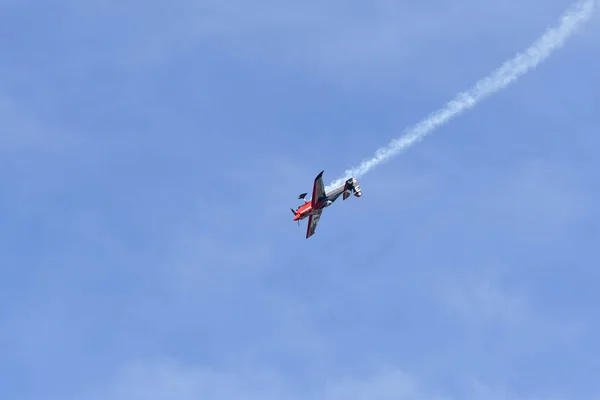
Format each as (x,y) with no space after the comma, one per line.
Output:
(150,153)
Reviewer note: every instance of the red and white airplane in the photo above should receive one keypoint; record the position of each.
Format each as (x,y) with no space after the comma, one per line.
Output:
(321,199)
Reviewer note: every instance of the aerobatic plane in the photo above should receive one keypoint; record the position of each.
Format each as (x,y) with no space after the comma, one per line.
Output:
(321,199)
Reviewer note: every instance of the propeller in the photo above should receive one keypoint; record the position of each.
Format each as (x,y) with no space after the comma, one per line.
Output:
(294,212)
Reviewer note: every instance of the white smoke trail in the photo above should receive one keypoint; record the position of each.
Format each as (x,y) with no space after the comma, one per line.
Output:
(510,71)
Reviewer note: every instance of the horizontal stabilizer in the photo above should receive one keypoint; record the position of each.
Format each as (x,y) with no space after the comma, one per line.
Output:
(351,187)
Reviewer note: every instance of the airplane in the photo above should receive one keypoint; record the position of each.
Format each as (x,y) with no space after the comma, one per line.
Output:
(321,199)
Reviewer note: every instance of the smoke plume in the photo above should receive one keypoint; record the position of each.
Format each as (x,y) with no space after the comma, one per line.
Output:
(509,72)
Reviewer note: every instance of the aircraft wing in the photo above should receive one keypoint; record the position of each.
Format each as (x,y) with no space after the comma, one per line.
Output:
(313,220)
(318,190)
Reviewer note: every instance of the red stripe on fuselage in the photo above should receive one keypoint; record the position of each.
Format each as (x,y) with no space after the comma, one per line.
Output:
(306,209)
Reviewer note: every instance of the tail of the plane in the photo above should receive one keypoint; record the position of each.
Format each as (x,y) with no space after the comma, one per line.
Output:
(351,187)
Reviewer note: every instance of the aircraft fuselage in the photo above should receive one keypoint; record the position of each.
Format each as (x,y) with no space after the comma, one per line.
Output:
(349,187)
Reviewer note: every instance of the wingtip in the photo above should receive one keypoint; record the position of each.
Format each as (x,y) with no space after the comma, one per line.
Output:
(320,174)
